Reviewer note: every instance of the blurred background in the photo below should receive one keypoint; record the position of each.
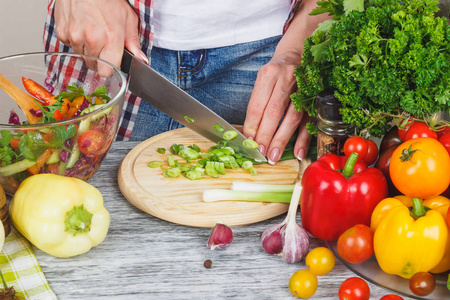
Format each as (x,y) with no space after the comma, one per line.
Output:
(21,26)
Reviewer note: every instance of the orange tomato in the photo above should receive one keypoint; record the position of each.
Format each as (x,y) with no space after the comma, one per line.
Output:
(420,168)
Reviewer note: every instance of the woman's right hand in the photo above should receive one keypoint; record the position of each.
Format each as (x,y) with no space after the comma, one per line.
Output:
(99,28)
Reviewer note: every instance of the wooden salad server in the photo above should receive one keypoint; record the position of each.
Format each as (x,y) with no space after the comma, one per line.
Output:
(25,101)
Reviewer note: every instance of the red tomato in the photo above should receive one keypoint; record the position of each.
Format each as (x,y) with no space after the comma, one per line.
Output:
(383,163)
(402,131)
(443,131)
(391,297)
(422,283)
(354,288)
(445,141)
(419,129)
(367,149)
(355,245)
(90,142)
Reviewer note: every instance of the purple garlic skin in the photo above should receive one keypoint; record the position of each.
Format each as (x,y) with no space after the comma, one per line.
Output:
(220,237)
(271,239)
(295,241)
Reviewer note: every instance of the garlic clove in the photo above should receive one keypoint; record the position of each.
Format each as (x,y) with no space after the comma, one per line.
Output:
(271,239)
(220,237)
(295,241)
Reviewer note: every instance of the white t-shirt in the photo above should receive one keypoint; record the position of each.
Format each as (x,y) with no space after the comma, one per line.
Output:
(203,24)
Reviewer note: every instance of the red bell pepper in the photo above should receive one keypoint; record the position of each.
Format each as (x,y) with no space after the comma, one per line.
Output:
(38,91)
(333,200)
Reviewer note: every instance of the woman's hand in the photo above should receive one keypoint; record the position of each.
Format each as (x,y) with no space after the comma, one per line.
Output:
(269,102)
(270,99)
(99,28)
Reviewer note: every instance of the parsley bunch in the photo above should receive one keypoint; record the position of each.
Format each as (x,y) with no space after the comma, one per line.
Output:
(381,58)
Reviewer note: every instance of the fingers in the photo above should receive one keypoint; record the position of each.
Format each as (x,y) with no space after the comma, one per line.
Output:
(303,138)
(98,28)
(287,128)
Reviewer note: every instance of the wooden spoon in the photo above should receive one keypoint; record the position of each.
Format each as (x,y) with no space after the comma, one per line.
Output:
(25,101)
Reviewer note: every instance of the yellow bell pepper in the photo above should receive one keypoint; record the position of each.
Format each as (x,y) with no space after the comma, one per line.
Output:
(407,242)
(60,215)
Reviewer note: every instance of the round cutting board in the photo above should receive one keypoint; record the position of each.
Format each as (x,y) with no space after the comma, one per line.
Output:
(179,200)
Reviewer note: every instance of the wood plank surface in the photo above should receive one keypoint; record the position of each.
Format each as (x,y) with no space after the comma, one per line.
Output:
(180,200)
(144,257)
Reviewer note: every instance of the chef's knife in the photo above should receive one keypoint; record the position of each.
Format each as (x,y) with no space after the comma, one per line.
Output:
(152,87)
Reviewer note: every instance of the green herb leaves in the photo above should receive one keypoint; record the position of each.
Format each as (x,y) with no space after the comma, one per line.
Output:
(391,58)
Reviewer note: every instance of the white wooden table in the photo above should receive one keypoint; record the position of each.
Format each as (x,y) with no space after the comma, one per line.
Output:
(144,257)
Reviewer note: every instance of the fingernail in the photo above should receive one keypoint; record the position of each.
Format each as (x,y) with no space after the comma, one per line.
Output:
(301,154)
(261,149)
(144,57)
(274,156)
(250,138)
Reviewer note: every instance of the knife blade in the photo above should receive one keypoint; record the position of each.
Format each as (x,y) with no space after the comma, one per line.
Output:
(154,88)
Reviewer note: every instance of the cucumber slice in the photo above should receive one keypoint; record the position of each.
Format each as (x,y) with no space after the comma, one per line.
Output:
(54,158)
(16,167)
(74,156)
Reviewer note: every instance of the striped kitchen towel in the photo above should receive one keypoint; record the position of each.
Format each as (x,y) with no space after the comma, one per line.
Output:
(21,269)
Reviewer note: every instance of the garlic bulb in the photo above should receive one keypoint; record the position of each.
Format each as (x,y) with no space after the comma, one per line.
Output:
(287,238)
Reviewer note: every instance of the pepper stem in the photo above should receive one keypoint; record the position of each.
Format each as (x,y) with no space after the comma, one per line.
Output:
(78,220)
(418,210)
(347,171)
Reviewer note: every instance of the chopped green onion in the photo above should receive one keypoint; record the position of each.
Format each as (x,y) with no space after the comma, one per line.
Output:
(172,172)
(251,144)
(155,164)
(195,147)
(189,119)
(193,175)
(189,154)
(253,171)
(161,150)
(246,165)
(229,135)
(218,128)
(171,161)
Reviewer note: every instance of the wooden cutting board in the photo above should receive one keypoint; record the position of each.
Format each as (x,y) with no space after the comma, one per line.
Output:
(179,200)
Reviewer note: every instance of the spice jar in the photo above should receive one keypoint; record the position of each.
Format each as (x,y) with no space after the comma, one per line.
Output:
(332,131)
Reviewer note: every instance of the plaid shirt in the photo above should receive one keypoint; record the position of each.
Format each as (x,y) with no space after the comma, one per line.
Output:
(144,10)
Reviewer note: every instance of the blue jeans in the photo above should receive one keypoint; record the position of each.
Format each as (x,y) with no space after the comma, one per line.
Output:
(220,78)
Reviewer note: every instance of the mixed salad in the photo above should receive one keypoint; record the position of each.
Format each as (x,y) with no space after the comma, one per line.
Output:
(75,149)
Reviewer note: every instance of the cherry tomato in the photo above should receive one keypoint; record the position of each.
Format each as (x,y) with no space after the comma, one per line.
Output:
(443,131)
(445,141)
(419,129)
(303,284)
(90,142)
(354,288)
(355,245)
(367,149)
(404,128)
(419,168)
(422,283)
(320,261)
(391,297)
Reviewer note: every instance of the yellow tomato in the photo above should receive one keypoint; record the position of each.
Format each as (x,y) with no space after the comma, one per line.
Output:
(320,261)
(303,284)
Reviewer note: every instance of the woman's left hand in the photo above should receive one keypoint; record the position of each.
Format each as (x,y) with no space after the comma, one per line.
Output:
(269,102)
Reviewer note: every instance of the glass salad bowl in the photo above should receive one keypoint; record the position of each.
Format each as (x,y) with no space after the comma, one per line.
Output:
(57,115)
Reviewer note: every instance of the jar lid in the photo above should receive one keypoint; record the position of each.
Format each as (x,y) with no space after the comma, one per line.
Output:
(328,106)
